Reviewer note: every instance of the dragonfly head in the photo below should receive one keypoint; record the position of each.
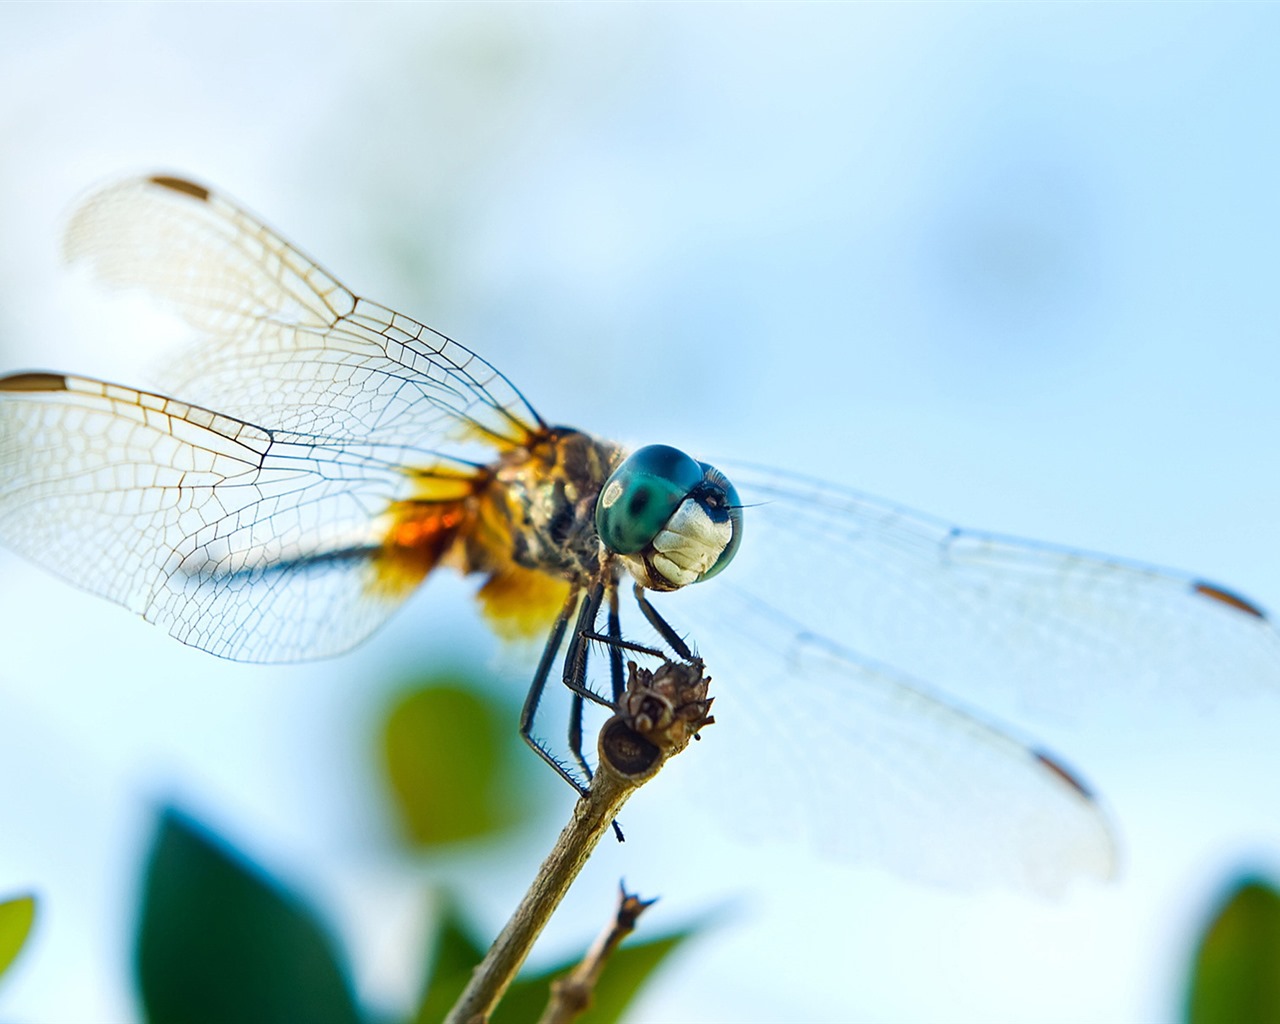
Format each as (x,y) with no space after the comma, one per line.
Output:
(671,519)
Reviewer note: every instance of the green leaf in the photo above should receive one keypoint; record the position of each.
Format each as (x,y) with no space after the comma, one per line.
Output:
(1236,975)
(447,754)
(454,957)
(626,972)
(218,941)
(16,918)
(457,954)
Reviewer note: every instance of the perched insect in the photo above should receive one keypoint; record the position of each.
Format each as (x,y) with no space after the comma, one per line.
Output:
(353,451)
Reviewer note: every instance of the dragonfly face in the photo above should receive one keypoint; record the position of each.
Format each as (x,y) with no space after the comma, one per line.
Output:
(318,456)
(671,520)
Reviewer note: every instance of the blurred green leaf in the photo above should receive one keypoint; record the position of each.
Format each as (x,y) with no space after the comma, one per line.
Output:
(1236,975)
(446,752)
(526,998)
(454,957)
(219,942)
(457,954)
(16,918)
(625,974)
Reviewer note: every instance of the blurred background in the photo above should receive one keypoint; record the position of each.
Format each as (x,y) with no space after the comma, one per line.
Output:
(1013,264)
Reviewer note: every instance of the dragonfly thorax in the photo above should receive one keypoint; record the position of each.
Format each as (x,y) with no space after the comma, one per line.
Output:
(547,494)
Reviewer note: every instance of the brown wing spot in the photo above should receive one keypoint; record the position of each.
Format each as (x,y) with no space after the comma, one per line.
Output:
(1060,770)
(182,185)
(1229,598)
(34,382)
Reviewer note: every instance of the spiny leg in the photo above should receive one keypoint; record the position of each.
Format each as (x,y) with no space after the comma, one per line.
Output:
(616,668)
(614,641)
(575,672)
(674,640)
(575,660)
(575,735)
(616,644)
(539,684)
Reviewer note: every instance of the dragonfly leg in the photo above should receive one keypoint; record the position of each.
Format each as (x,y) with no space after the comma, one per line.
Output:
(575,735)
(539,684)
(616,668)
(575,662)
(575,673)
(674,640)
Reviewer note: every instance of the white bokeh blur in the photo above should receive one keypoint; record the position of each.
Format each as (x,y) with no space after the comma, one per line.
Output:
(1013,264)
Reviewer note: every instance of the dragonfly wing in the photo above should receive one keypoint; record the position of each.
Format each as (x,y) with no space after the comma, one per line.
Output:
(1004,623)
(252,544)
(850,636)
(281,340)
(872,768)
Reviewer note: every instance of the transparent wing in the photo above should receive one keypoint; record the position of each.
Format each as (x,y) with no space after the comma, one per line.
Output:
(252,544)
(850,636)
(281,341)
(869,767)
(1007,624)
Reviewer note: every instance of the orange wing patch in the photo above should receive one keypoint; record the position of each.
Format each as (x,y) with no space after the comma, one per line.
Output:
(459,519)
(421,535)
(423,528)
(522,435)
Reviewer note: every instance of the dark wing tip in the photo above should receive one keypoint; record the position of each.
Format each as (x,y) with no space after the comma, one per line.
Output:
(181,185)
(1228,597)
(1064,773)
(33,382)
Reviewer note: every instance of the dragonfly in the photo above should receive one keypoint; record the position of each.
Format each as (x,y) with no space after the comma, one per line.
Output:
(316,456)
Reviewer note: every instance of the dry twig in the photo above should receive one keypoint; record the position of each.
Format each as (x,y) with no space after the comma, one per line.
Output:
(658,715)
(571,995)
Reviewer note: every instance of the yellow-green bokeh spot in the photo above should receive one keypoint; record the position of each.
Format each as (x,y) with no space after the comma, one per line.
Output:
(1236,975)
(447,754)
(16,918)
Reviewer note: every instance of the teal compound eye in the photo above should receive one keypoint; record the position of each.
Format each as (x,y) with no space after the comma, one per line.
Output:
(720,498)
(642,494)
(681,516)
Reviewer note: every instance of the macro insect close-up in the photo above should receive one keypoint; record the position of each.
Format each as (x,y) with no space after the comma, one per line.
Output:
(327,454)
(945,726)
